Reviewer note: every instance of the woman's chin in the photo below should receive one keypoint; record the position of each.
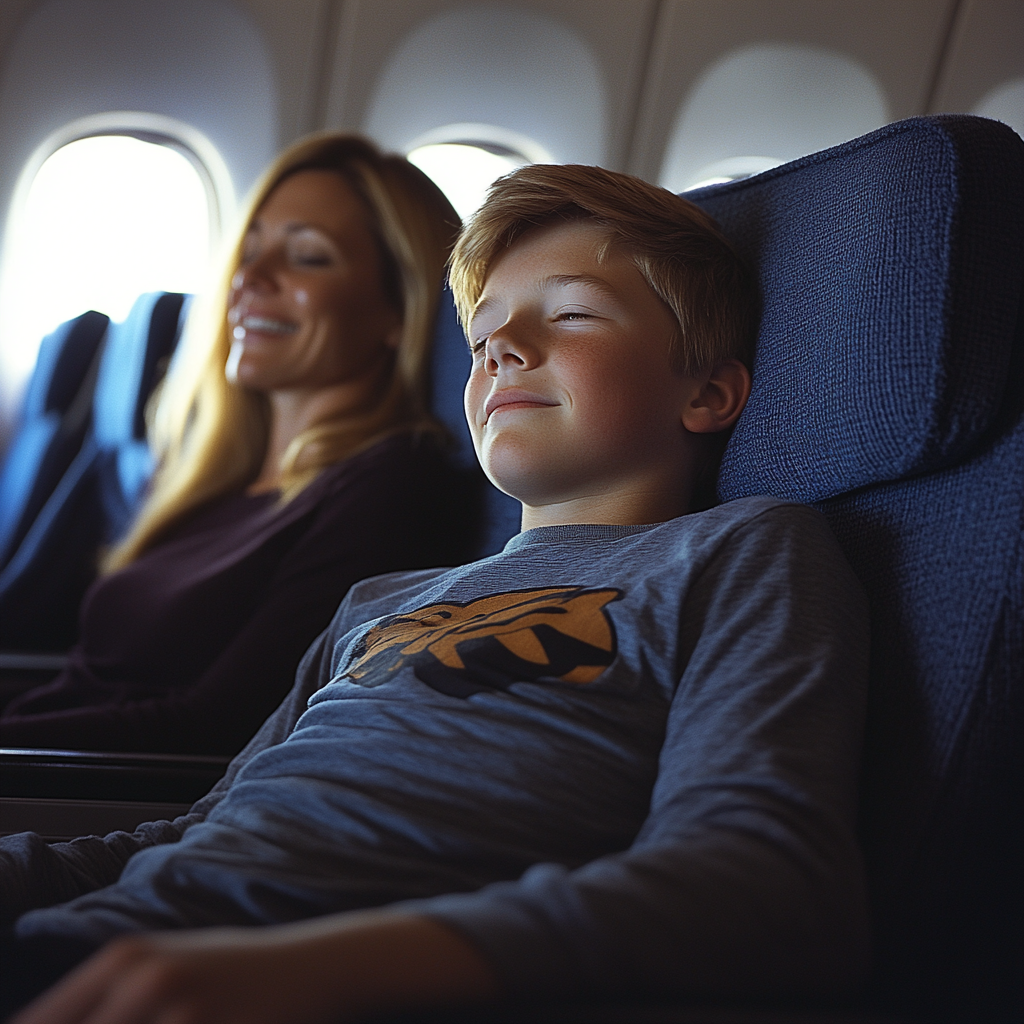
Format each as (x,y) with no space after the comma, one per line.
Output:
(243,370)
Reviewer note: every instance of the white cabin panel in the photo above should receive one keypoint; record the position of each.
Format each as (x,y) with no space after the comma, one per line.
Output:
(984,68)
(898,43)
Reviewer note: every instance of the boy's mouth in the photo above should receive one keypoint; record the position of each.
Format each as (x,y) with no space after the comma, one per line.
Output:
(508,399)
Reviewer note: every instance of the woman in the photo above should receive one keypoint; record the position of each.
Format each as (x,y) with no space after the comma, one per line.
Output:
(297,456)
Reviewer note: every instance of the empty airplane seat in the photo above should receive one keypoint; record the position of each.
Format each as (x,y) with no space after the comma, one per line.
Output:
(126,381)
(44,581)
(888,393)
(54,418)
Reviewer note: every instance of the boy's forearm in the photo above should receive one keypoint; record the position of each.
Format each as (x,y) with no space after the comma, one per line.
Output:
(387,961)
(339,968)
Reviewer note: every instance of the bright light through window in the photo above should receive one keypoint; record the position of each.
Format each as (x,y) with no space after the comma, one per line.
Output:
(106,219)
(731,169)
(463,172)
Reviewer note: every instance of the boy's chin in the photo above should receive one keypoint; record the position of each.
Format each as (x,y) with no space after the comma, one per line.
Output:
(530,491)
(540,479)
(524,487)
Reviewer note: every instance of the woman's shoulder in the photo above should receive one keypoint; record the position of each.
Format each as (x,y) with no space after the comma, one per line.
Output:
(401,459)
(403,495)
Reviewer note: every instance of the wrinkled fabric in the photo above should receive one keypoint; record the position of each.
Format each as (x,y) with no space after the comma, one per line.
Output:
(190,647)
(615,758)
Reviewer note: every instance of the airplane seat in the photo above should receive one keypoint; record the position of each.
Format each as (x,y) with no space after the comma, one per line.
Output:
(125,385)
(44,580)
(888,393)
(497,513)
(61,793)
(54,417)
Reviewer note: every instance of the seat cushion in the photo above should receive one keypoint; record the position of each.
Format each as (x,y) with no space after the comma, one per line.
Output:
(890,270)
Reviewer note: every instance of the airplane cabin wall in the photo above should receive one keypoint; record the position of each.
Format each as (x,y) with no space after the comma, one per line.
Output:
(662,88)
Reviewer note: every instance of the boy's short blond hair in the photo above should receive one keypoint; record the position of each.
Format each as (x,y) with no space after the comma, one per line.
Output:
(677,248)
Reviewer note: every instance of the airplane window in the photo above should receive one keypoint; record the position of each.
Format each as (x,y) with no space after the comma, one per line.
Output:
(462,171)
(1005,103)
(776,100)
(105,219)
(732,169)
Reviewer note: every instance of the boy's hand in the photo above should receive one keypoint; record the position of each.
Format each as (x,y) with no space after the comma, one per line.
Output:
(333,969)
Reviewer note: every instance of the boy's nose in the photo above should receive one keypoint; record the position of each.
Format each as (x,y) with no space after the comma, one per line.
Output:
(508,349)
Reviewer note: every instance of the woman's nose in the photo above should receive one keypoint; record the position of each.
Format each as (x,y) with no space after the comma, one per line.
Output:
(255,275)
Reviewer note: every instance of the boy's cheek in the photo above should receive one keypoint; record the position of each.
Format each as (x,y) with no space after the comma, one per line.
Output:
(473,400)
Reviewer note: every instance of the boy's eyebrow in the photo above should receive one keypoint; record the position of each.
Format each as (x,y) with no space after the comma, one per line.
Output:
(597,283)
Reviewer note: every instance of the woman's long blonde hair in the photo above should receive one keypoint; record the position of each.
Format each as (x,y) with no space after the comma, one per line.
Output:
(210,436)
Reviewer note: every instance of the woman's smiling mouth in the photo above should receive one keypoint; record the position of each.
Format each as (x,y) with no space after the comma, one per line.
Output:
(263,325)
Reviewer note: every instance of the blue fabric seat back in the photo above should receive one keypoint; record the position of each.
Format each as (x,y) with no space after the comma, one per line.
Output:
(888,388)
(138,352)
(497,513)
(54,418)
(42,584)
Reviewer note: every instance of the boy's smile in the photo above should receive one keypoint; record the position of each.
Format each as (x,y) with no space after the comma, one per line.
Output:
(510,399)
(572,401)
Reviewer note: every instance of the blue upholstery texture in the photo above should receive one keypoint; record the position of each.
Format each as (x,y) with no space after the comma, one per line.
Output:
(54,417)
(139,350)
(888,392)
(499,514)
(42,584)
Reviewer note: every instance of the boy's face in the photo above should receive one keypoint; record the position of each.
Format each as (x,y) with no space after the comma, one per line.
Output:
(572,401)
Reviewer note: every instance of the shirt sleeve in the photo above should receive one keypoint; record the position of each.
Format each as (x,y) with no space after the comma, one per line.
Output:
(389,516)
(35,874)
(745,878)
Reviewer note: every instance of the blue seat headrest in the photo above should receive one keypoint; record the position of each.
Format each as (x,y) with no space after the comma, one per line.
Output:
(62,364)
(450,366)
(135,352)
(890,271)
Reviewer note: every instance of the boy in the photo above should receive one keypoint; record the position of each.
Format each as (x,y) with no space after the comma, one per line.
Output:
(618,757)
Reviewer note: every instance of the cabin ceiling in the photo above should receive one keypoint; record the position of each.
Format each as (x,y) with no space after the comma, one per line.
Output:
(677,91)
(661,88)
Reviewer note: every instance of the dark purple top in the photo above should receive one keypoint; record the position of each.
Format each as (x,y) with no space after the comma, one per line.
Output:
(193,645)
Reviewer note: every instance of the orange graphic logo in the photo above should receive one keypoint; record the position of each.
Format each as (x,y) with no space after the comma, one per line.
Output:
(490,643)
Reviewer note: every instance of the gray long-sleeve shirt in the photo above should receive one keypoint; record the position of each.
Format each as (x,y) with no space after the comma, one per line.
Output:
(614,758)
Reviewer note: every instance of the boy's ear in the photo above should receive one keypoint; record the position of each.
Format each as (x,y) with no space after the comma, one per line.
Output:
(716,400)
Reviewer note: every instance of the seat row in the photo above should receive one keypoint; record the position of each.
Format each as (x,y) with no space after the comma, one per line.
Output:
(78,464)
(888,393)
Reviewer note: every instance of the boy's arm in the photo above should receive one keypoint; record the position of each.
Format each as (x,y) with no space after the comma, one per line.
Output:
(340,968)
(744,882)
(34,873)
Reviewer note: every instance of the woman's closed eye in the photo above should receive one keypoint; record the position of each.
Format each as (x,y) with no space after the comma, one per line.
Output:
(310,254)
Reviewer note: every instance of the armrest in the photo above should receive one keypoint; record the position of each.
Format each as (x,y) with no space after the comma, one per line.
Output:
(23,670)
(641,1011)
(27,661)
(86,775)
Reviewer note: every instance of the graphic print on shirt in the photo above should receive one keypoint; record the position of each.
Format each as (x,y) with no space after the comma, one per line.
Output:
(490,643)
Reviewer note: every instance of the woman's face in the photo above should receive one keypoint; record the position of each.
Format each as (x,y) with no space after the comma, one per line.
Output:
(307,308)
